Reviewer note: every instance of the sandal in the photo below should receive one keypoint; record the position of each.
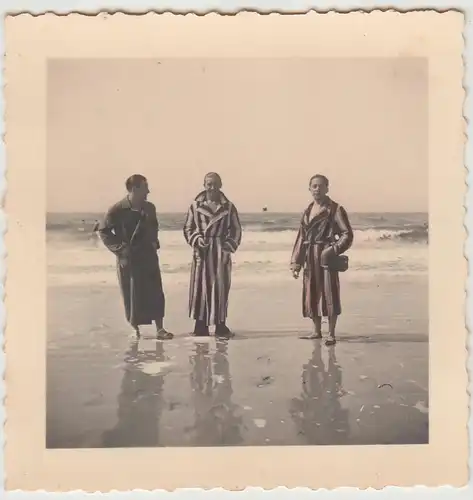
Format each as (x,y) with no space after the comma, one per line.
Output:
(163,334)
(311,337)
(331,341)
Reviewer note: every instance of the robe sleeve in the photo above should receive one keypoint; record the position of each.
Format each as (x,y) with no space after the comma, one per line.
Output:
(298,252)
(344,230)
(191,231)
(109,234)
(233,238)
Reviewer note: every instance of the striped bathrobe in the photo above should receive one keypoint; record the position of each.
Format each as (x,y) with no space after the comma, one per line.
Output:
(212,266)
(321,286)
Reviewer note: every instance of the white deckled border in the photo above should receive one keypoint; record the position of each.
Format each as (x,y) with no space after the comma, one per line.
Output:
(30,42)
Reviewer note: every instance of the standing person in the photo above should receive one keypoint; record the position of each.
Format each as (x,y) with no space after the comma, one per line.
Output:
(130,231)
(324,233)
(212,228)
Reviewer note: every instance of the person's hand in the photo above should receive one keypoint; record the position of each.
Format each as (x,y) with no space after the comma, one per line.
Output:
(227,248)
(155,246)
(124,255)
(295,269)
(201,243)
(125,251)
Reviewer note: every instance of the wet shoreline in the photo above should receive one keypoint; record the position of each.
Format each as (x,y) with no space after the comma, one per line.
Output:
(265,387)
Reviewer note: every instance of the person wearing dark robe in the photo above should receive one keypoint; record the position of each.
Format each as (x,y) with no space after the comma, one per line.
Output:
(213,230)
(324,232)
(130,231)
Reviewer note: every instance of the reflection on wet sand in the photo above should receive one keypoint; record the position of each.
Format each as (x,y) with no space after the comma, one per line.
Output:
(318,413)
(215,415)
(140,402)
(183,393)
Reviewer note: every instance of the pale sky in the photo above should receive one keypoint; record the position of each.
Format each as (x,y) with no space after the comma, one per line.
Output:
(266,125)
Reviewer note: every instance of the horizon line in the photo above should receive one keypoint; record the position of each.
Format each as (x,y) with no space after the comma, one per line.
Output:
(254,212)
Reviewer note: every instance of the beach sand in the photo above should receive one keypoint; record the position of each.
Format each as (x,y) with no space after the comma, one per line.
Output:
(264,387)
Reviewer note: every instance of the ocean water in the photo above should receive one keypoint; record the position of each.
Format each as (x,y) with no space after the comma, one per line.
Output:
(385,244)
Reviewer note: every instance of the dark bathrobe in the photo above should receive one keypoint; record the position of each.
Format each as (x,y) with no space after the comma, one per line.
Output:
(212,266)
(321,286)
(133,237)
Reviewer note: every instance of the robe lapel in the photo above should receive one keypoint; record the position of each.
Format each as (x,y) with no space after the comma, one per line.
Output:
(210,216)
(137,228)
(126,205)
(322,215)
(202,209)
(219,215)
(319,222)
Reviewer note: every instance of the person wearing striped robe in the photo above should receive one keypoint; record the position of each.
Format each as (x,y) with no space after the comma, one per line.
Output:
(213,230)
(324,232)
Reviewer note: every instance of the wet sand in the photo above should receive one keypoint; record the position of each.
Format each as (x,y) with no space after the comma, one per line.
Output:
(264,387)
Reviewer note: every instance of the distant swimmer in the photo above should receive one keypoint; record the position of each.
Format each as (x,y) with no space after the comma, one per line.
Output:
(265,209)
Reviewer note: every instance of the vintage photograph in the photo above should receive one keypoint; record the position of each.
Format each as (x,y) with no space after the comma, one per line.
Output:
(236,249)
(237,252)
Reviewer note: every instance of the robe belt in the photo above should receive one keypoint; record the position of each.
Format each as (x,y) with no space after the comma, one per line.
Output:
(316,243)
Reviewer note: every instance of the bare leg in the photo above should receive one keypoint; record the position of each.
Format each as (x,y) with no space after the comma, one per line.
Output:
(332,323)
(317,320)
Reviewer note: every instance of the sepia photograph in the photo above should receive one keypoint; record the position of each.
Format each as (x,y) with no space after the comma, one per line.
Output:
(235,249)
(249,270)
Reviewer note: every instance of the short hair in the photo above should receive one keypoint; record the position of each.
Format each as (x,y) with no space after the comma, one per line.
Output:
(134,181)
(215,175)
(319,176)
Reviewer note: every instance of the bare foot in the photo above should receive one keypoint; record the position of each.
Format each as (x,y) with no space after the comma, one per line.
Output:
(331,340)
(314,336)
